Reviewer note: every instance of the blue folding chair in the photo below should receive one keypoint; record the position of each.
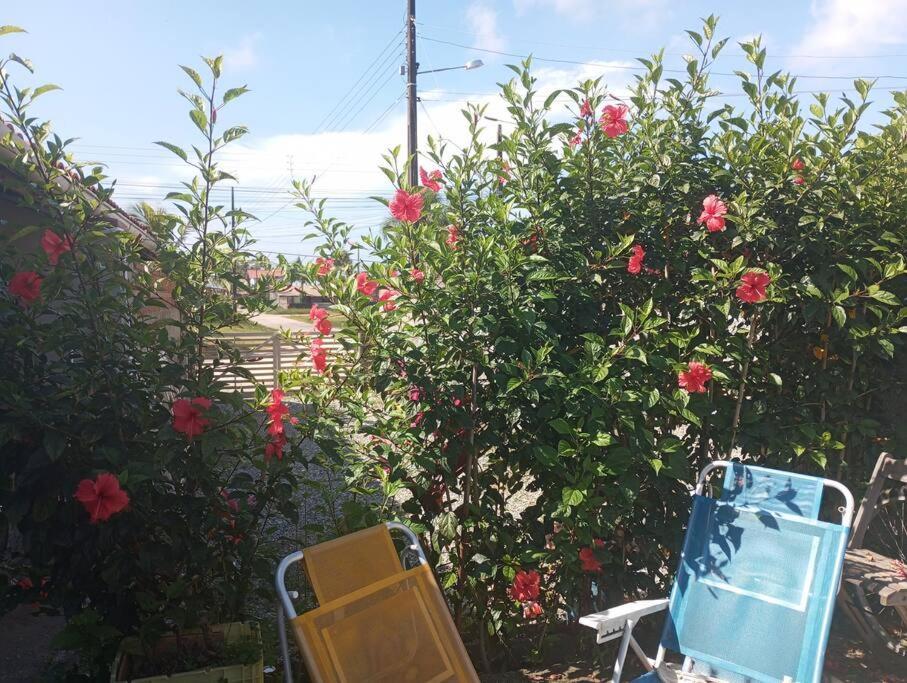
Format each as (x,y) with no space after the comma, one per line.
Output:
(754,594)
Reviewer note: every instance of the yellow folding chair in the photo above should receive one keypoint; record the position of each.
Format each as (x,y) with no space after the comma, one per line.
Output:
(375,620)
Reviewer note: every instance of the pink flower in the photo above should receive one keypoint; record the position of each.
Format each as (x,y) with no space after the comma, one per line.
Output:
(325,265)
(319,316)
(417,419)
(505,174)
(430,180)
(453,236)
(365,286)
(586,110)
(613,120)
(55,246)
(525,587)
(798,180)
(797,164)
(693,379)
(387,296)
(635,264)
(752,291)
(415,394)
(531,610)
(576,139)
(713,211)
(417,275)
(188,417)
(319,354)
(102,498)
(406,207)
(26,286)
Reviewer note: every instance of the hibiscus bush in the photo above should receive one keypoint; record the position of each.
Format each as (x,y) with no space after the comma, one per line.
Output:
(562,327)
(139,491)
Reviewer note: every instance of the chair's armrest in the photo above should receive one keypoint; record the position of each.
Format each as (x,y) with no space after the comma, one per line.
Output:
(610,623)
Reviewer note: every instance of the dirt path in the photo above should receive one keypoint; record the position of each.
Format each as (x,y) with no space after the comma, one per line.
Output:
(25,644)
(277,322)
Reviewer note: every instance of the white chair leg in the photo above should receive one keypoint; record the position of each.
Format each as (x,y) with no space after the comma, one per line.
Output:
(622,651)
(284,647)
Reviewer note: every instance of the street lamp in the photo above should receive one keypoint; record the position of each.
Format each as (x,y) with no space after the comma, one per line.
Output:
(473,64)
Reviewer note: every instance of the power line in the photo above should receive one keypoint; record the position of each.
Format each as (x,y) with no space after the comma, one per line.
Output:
(635,53)
(353,87)
(342,119)
(628,67)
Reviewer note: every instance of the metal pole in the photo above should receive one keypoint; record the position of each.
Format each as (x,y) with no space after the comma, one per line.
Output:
(412,68)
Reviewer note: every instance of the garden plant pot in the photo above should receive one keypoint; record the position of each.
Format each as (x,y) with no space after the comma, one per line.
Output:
(129,658)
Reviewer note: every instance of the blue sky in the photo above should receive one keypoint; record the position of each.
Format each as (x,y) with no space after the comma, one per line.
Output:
(117,63)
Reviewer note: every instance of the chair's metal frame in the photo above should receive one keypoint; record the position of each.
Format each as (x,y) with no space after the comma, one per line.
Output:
(285,608)
(618,622)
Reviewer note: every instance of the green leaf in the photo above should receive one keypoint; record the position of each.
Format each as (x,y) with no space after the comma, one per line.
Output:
(47,87)
(446,524)
(54,444)
(839,315)
(572,497)
(560,426)
(199,119)
(193,74)
(603,439)
(11,29)
(173,148)
(885,297)
(233,93)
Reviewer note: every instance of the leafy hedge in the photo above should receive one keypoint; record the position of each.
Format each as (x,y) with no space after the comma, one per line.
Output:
(562,327)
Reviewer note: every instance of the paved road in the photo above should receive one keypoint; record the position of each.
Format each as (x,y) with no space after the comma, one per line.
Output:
(277,322)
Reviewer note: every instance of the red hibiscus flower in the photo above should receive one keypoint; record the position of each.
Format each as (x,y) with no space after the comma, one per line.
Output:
(635,264)
(25,583)
(613,120)
(415,394)
(417,275)
(797,164)
(585,110)
(587,558)
(406,207)
(277,412)
(430,180)
(26,286)
(417,419)
(576,139)
(319,316)
(798,180)
(752,291)
(365,286)
(525,586)
(505,174)
(453,236)
(387,296)
(102,498)
(693,379)
(319,354)
(55,246)
(713,211)
(325,265)
(188,417)
(531,610)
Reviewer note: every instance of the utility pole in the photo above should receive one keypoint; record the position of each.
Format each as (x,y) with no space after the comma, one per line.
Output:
(412,70)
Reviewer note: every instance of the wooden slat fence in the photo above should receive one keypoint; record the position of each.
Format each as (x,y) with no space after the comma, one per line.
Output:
(265,355)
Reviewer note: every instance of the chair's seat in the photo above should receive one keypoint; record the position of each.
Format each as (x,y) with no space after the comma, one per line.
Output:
(877,575)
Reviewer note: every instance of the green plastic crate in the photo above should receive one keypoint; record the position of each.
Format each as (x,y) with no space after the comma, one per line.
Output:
(234,673)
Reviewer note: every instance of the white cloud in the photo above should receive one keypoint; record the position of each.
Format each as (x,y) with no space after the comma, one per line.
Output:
(346,162)
(635,14)
(845,27)
(245,55)
(484,23)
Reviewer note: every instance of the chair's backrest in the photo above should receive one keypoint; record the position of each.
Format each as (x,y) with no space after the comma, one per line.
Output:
(755,590)
(345,564)
(772,490)
(375,620)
